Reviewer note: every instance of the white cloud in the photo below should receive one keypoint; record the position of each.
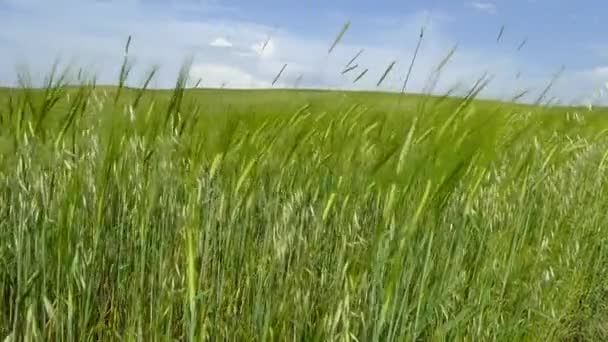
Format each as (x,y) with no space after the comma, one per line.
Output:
(595,81)
(486,7)
(220,75)
(221,42)
(600,72)
(264,48)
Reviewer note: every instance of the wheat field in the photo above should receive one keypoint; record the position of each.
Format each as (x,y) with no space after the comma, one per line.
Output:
(189,214)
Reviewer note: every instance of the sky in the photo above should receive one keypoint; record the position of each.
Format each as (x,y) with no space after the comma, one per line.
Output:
(222,41)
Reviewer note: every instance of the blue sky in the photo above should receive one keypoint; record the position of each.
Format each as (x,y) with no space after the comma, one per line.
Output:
(224,39)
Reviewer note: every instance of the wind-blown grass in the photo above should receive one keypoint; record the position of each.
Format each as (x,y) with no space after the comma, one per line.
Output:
(287,215)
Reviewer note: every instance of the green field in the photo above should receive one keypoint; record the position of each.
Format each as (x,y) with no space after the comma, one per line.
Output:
(299,215)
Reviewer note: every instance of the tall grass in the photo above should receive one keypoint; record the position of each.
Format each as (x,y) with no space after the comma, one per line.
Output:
(133,214)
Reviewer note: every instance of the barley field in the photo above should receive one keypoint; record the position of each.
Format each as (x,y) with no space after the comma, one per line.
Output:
(293,215)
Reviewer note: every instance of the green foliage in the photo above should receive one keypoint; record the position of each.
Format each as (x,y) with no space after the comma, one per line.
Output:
(300,215)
